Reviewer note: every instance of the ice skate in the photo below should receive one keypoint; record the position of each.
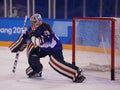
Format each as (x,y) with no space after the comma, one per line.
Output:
(80,78)
(35,75)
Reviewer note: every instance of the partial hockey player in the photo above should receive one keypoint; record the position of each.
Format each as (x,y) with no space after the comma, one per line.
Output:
(41,41)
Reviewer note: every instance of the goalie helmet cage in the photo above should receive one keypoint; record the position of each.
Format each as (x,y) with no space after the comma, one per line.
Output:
(83,23)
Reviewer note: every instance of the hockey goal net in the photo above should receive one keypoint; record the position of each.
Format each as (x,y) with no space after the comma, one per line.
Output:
(96,44)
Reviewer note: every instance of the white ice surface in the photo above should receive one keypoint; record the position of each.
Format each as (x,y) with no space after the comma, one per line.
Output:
(50,80)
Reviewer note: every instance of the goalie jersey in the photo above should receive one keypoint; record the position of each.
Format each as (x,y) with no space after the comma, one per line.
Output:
(43,37)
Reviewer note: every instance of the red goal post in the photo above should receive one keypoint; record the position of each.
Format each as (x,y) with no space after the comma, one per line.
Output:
(99,19)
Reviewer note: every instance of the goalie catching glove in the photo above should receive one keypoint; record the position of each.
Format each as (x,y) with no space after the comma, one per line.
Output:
(37,41)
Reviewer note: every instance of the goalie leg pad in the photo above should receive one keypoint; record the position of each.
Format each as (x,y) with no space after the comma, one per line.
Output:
(35,64)
(29,71)
(69,70)
(30,48)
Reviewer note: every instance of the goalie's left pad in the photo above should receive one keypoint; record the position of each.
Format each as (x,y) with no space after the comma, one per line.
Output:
(18,45)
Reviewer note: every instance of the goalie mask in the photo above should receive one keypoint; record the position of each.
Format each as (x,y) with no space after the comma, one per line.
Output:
(35,21)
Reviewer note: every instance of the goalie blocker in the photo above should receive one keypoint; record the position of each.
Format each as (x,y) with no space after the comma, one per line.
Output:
(18,45)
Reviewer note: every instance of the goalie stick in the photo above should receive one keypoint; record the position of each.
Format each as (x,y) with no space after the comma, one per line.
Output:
(17,54)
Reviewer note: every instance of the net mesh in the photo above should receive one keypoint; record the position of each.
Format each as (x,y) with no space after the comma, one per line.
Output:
(93,44)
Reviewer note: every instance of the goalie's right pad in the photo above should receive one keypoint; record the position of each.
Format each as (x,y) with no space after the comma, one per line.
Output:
(30,73)
(18,45)
(29,70)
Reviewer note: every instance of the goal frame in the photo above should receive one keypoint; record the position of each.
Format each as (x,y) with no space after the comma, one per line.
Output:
(112,40)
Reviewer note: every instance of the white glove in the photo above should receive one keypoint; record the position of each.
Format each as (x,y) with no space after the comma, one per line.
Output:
(37,41)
